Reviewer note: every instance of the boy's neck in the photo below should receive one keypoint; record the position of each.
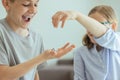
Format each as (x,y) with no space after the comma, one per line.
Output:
(24,32)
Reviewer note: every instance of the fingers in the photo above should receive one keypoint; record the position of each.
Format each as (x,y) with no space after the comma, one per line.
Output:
(68,49)
(63,21)
(64,50)
(59,16)
(56,19)
(65,46)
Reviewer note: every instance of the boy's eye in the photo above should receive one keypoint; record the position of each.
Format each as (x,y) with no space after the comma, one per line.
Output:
(26,5)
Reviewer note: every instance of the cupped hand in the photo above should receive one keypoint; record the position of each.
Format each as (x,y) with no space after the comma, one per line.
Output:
(50,54)
(62,16)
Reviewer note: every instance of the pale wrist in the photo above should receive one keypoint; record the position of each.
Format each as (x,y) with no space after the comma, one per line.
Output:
(77,15)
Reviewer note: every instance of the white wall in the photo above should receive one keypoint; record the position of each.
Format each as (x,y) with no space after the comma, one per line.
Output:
(72,32)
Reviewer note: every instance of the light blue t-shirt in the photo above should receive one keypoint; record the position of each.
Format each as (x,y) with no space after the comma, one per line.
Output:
(15,49)
(103,65)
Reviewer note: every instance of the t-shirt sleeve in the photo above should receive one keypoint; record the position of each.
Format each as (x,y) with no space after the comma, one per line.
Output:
(3,55)
(110,40)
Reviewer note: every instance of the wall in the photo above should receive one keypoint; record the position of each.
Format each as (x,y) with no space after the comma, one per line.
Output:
(72,32)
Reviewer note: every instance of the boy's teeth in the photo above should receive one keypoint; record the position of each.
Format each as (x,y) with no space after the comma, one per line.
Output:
(27,18)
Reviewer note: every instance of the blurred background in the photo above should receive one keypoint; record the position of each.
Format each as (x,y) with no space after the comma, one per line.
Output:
(72,31)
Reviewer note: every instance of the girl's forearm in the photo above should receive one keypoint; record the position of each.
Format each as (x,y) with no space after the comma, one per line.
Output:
(91,25)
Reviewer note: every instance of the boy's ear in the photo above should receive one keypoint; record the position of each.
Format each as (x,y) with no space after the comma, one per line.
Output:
(6,4)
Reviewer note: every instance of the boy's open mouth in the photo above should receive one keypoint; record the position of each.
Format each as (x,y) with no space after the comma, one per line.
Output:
(26,18)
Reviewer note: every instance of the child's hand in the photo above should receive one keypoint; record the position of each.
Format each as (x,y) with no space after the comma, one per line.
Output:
(62,16)
(50,54)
